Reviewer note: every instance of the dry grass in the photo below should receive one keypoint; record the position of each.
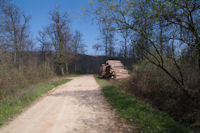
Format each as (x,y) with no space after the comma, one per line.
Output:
(19,87)
(14,81)
(16,102)
(156,88)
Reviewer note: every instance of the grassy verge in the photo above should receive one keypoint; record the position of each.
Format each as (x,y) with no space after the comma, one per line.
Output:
(15,104)
(147,119)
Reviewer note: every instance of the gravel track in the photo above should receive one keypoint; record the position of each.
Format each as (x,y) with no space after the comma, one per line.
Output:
(75,107)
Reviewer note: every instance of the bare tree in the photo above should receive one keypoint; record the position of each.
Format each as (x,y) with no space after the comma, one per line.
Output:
(144,18)
(125,36)
(107,34)
(77,44)
(57,34)
(16,31)
(98,48)
(45,44)
(185,16)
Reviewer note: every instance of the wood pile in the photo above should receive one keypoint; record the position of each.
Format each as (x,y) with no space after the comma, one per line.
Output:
(113,69)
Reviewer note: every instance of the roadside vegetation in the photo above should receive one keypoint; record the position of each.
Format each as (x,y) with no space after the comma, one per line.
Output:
(150,84)
(160,40)
(144,118)
(14,100)
(28,66)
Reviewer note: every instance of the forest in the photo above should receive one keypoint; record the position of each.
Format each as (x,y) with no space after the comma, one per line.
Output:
(157,40)
(162,39)
(21,60)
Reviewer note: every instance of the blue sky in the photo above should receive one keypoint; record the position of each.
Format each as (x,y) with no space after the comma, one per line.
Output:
(39,11)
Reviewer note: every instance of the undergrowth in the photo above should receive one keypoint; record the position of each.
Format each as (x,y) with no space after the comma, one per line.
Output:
(14,104)
(146,118)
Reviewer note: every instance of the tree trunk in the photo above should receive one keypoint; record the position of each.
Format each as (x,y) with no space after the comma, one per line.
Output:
(125,48)
(199,60)
(62,70)
(161,38)
(15,57)
(75,68)
(106,47)
(20,60)
(66,67)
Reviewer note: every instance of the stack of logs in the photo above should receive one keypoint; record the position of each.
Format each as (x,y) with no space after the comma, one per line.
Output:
(113,69)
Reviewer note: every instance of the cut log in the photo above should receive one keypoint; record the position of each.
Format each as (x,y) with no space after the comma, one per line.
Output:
(113,69)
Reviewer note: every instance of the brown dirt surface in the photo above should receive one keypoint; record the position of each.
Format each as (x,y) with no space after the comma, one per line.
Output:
(75,107)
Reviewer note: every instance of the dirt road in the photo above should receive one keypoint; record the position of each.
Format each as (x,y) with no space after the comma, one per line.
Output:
(77,106)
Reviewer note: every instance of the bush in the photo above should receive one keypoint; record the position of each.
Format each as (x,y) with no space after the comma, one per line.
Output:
(144,118)
(13,80)
(153,85)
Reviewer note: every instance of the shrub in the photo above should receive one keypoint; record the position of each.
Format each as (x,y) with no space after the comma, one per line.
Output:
(14,80)
(151,84)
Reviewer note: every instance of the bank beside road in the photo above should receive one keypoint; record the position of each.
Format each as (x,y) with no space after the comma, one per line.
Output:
(141,115)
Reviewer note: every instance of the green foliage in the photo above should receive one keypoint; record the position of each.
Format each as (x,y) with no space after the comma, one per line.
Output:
(135,111)
(15,104)
(150,84)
